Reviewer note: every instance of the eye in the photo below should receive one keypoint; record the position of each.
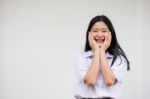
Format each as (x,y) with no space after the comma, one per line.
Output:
(94,31)
(104,31)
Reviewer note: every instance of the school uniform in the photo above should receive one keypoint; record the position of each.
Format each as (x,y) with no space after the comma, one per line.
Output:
(100,90)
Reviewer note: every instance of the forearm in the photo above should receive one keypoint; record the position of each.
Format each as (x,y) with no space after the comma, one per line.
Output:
(92,74)
(107,73)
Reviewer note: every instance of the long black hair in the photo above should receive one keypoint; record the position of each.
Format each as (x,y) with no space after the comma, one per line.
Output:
(114,49)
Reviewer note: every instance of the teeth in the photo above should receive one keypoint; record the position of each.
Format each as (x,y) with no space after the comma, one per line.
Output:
(100,40)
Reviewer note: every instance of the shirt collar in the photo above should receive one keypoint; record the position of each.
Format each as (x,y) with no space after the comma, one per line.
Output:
(89,54)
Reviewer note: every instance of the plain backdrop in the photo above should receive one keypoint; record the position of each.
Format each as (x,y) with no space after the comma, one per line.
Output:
(39,39)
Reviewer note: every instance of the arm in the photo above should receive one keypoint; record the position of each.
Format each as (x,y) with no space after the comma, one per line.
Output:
(91,76)
(108,75)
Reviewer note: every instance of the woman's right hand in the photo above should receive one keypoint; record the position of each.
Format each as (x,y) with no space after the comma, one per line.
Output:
(92,42)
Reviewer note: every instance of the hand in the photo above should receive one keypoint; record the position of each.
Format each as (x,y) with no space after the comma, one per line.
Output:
(92,42)
(106,43)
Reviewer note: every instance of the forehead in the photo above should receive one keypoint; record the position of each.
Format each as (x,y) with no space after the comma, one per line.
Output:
(99,25)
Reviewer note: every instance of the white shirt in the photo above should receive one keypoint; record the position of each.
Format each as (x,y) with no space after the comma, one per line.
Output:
(83,63)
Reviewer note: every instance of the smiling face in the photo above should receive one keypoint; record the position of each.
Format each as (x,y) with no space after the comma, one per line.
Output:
(99,32)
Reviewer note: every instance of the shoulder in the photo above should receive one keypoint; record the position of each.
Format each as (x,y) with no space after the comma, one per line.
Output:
(82,57)
(121,59)
(118,60)
(83,54)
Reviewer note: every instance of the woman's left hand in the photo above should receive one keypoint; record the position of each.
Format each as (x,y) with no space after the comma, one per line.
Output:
(107,42)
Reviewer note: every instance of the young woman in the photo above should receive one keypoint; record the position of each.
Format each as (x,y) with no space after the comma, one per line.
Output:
(100,68)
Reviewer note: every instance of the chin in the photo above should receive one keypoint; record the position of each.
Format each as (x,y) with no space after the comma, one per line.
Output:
(99,44)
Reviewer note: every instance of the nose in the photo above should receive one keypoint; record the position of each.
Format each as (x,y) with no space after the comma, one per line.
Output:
(99,34)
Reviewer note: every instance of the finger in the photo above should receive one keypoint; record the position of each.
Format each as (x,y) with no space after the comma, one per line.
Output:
(89,36)
(90,39)
(106,39)
(109,38)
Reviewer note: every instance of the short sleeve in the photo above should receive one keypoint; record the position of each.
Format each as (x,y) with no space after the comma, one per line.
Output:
(81,66)
(119,67)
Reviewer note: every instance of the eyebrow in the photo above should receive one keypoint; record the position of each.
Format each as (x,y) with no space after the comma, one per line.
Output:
(104,29)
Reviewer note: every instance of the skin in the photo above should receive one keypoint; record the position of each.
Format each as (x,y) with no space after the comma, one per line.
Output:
(99,40)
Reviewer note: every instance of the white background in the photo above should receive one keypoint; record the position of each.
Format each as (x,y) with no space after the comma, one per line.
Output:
(39,39)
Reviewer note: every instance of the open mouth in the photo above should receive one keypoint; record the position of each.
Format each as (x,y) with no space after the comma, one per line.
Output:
(100,40)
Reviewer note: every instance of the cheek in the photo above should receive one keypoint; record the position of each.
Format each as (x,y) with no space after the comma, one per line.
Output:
(106,34)
(93,34)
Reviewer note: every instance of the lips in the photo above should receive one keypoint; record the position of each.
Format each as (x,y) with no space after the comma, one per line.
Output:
(100,40)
